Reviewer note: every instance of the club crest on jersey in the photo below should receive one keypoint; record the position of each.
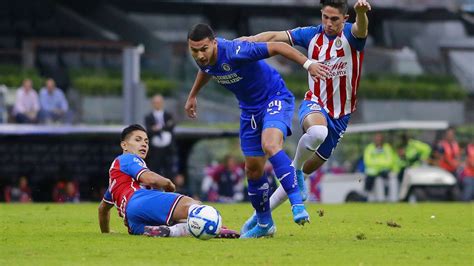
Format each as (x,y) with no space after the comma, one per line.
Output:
(226,67)
(338,43)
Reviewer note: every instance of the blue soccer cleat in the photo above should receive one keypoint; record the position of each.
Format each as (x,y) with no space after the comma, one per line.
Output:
(259,230)
(300,215)
(302,184)
(249,224)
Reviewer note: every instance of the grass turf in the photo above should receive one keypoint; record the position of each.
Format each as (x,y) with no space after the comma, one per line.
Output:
(351,234)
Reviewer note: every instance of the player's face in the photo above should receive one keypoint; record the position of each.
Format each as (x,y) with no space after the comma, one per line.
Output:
(333,20)
(136,143)
(204,52)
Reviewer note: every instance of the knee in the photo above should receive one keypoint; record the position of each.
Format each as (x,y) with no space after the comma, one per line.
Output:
(271,148)
(253,171)
(316,135)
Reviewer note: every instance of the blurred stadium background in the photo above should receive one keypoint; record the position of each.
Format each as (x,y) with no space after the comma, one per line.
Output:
(418,79)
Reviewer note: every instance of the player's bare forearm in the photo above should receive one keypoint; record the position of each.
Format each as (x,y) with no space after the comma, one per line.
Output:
(361,25)
(191,103)
(201,80)
(287,51)
(104,216)
(270,36)
(315,69)
(157,181)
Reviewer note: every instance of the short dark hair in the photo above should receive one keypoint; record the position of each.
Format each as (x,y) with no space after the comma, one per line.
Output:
(339,4)
(200,32)
(128,130)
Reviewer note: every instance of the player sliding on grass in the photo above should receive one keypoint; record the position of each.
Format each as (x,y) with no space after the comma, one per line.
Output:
(325,111)
(267,108)
(149,212)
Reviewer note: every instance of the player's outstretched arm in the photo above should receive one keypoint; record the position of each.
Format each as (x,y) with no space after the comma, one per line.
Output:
(361,26)
(315,69)
(268,36)
(104,216)
(157,181)
(191,104)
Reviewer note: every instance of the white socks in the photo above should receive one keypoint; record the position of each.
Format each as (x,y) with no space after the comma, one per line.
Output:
(278,197)
(179,230)
(308,143)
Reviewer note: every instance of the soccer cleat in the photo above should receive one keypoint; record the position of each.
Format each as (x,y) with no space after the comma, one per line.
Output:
(260,230)
(228,233)
(157,231)
(302,184)
(300,215)
(249,224)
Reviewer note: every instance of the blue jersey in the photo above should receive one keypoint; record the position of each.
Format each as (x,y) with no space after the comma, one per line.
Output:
(241,70)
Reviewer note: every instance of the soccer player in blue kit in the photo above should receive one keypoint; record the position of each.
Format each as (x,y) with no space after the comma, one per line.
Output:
(266,112)
(150,212)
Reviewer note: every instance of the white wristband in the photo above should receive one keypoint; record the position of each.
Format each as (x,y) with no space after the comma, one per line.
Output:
(307,64)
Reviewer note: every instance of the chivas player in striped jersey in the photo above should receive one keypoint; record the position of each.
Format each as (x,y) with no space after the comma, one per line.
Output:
(337,47)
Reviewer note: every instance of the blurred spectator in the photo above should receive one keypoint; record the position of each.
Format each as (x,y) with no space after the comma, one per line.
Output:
(19,193)
(27,104)
(448,153)
(66,192)
(3,104)
(54,106)
(208,186)
(160,125)
(179,182)
(229,179)
(379,161)
(468,174)
(412,152)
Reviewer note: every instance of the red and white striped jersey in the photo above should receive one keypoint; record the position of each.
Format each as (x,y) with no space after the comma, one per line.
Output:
(343,54)
(124,174)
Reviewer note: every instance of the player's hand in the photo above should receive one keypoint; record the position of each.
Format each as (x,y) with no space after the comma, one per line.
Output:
(191,107)
(169,186)
(247,39)
(362,6)
(318,71)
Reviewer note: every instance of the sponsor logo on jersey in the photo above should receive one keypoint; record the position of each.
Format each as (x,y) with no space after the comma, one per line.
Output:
(314,107)
(227,79)
(139,162)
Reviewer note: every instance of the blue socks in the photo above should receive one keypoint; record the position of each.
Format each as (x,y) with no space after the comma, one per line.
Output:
(258,191)
(286,175)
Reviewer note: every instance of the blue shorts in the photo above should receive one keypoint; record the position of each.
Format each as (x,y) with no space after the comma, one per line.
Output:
(150,207)
(336,127)
(277,113)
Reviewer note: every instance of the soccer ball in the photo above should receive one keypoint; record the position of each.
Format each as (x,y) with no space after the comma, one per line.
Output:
(204,222)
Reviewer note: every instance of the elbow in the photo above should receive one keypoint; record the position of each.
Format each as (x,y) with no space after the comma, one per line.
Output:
(275,48)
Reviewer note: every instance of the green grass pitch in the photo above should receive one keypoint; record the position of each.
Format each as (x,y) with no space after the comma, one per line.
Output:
(351,234)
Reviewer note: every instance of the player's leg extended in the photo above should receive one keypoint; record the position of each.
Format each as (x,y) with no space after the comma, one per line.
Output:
(272,142)
(315,127)
(258,190)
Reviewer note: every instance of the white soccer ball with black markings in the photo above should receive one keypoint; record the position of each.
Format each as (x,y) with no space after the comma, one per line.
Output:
(204,222)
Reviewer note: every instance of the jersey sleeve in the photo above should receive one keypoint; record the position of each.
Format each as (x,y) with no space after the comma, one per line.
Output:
(108,197)
(243,51)
(357,43)
(132,165)
(302,36)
